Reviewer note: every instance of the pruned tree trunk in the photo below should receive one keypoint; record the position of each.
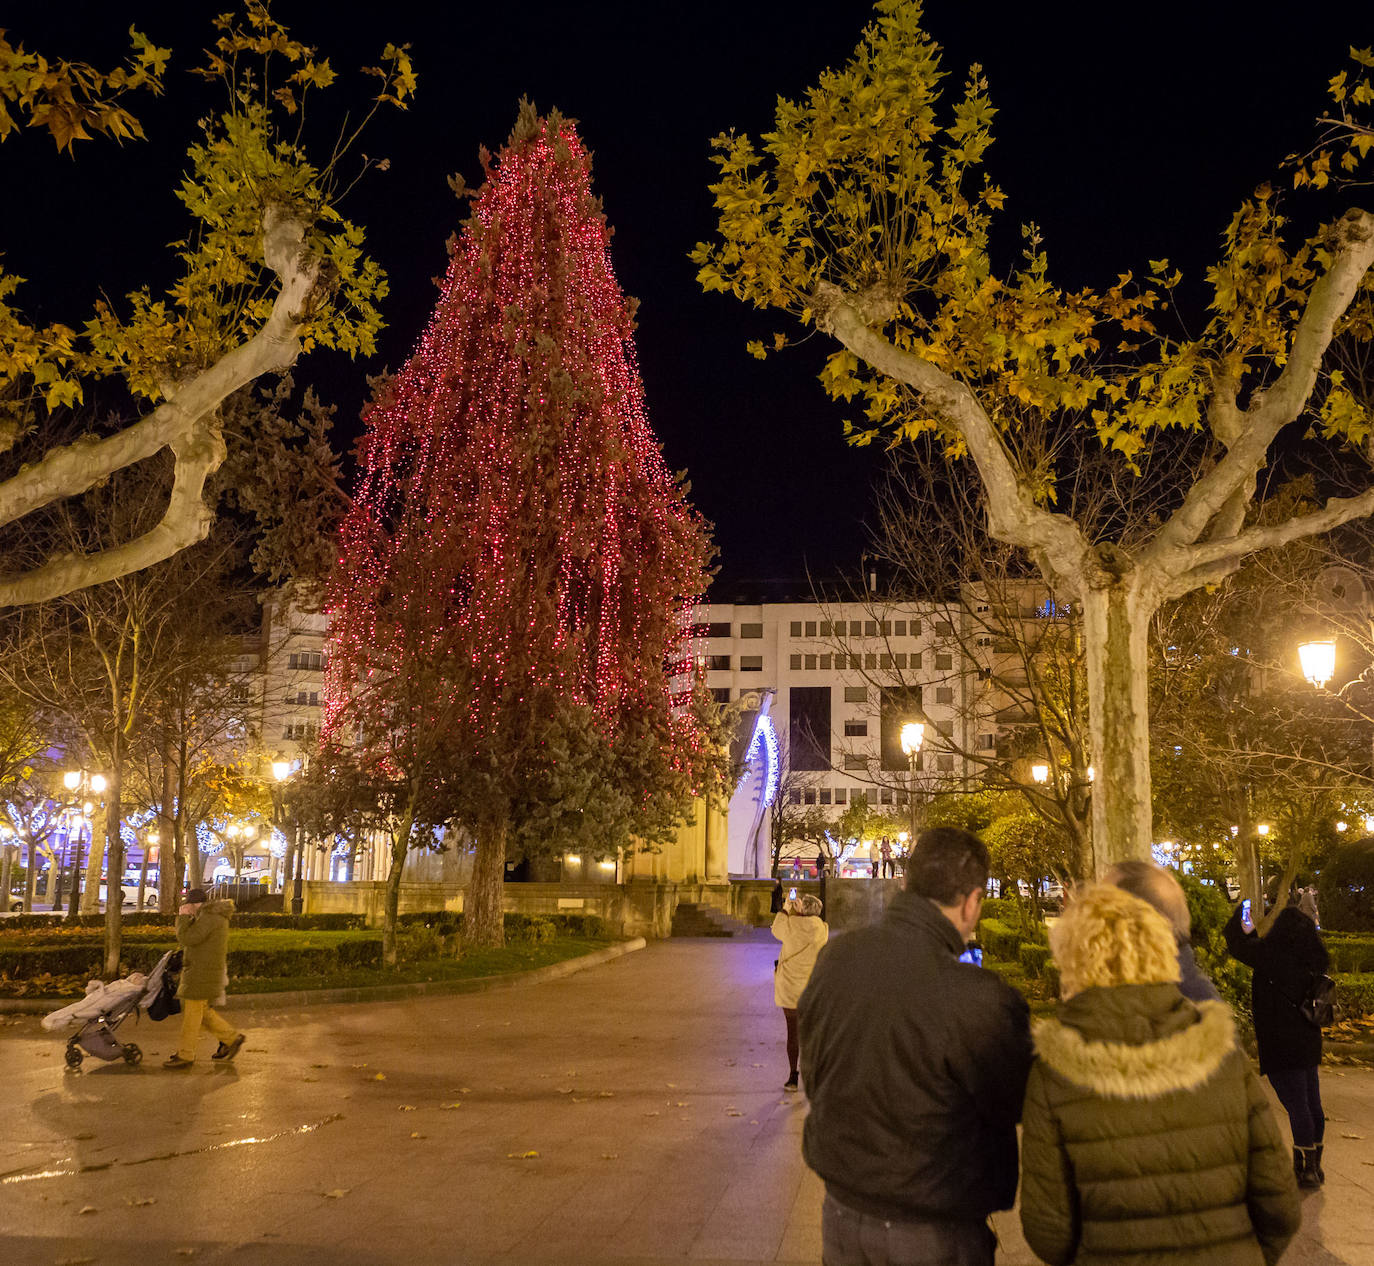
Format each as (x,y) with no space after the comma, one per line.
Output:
(484,921)
(95,863)
(1116,623)
(167,853)
(400,846)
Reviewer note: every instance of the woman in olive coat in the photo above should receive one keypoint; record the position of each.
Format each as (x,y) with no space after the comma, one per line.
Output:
(1147,1136)
(1285,962)
(203,934)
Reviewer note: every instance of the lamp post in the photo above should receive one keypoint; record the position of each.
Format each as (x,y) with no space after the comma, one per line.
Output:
(81,782)
(912,734)
(1318,661)
(149,842)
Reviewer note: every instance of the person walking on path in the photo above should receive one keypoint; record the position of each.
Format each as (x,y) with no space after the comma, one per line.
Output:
(1157,887)
(1146,1136)
(203,934)
(915,1066)
(802,932)
(1286,963)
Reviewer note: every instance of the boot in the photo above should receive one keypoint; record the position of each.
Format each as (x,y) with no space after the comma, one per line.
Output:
(1305,1168)
(1317,1164)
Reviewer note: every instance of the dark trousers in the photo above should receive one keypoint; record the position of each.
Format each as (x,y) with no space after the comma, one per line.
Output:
(1301,1095)
(850,1238)
(889,868)
(793,1042)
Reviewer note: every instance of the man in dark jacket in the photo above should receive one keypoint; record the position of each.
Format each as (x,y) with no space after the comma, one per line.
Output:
(915,1065)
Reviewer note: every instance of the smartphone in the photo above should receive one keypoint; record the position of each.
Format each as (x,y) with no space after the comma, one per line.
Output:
(791,894)
(1245,913)
(973,954)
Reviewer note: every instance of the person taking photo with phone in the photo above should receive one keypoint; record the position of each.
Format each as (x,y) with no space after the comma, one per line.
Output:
(802,932)
(1287,963)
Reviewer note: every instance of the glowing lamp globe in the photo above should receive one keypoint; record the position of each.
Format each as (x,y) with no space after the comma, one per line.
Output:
(281,770)
(1041,773)
(71,780)
(98,783)
(912,734)
(1318,660)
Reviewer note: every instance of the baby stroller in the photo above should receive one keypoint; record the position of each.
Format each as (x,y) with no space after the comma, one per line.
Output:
(106,1006)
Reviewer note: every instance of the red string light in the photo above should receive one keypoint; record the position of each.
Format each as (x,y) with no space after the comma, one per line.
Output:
(512,496)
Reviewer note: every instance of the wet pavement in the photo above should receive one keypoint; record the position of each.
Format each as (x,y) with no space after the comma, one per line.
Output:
(630,1114)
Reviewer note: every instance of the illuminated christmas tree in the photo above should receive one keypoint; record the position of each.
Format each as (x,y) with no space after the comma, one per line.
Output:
(518,546)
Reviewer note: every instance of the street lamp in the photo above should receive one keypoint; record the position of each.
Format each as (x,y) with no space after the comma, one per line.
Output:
(912,734)
(80,783)
(1318,660)
(1040,773)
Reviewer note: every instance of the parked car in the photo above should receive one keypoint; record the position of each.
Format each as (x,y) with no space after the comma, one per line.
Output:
(130,891)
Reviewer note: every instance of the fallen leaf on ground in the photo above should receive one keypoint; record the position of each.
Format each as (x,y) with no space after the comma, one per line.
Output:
(90,1208)
(465,1090)
(337,1194)
(565,1090)
(379,1077)
(732,1113)
(755,1065)
(319,1065)
(651,1114)
(186,1252)
(672,1085)
(729,1063)
(448,1107)
(416,1135)
(753,1122)
(605,1094)
(682,1105)
(406,1107)
(579,1098)
(522,1155)
(1345,1135)
(616,1156)
(141,1201)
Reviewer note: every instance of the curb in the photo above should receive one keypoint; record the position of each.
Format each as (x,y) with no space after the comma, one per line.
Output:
(295,998)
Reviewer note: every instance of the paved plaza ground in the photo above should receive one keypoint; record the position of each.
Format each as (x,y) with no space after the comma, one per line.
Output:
(630,1114)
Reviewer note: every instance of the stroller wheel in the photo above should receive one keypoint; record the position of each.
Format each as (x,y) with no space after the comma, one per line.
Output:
(132,1055)
(74,1056)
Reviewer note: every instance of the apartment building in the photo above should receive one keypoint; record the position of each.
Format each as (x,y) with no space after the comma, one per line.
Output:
(835,682)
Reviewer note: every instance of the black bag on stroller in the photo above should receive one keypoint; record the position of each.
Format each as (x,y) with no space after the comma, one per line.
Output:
(165,1002)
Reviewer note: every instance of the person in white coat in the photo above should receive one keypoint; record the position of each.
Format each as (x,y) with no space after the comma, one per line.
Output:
(802,932)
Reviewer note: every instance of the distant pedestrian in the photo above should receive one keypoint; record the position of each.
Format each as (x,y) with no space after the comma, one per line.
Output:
(796,868)
(203,934)
(886,850)
(820,863)
(1287,962)
(1158,887)
(915,1065)
(775,901)
(802,932)
(875,857)
(1146,1136)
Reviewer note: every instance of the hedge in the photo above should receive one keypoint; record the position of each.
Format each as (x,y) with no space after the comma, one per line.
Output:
(155,919)
(1034,959)
(87,960)
(1350,953)
(519,927)
(1355,993)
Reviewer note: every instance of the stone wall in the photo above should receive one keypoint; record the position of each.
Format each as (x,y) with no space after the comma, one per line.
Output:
(637,908)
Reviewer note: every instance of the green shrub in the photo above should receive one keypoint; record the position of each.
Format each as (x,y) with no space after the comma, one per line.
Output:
(1000,941)
(1345,887)
(1034,959)
(145,920)
(1355,994)
(1350,953)
(418,942)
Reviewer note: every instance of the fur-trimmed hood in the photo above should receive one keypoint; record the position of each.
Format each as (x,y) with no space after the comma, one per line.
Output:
(1136,1042)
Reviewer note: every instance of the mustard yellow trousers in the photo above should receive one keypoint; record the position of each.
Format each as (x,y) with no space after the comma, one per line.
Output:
(196,1012)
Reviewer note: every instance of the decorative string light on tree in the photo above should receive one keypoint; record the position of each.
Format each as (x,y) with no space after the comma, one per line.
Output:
(517,431)
(516,540)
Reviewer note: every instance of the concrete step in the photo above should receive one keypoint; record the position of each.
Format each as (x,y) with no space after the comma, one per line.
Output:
(691,918)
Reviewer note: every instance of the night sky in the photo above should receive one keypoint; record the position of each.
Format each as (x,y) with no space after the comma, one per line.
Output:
(1127,132)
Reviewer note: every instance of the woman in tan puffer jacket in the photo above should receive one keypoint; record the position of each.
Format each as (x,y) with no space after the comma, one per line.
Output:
(1147,1136)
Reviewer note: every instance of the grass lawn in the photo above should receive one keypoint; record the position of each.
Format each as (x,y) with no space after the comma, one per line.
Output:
(474,963)
(142,951)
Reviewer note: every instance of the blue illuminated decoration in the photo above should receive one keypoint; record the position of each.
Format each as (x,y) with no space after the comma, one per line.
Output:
(765,733)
